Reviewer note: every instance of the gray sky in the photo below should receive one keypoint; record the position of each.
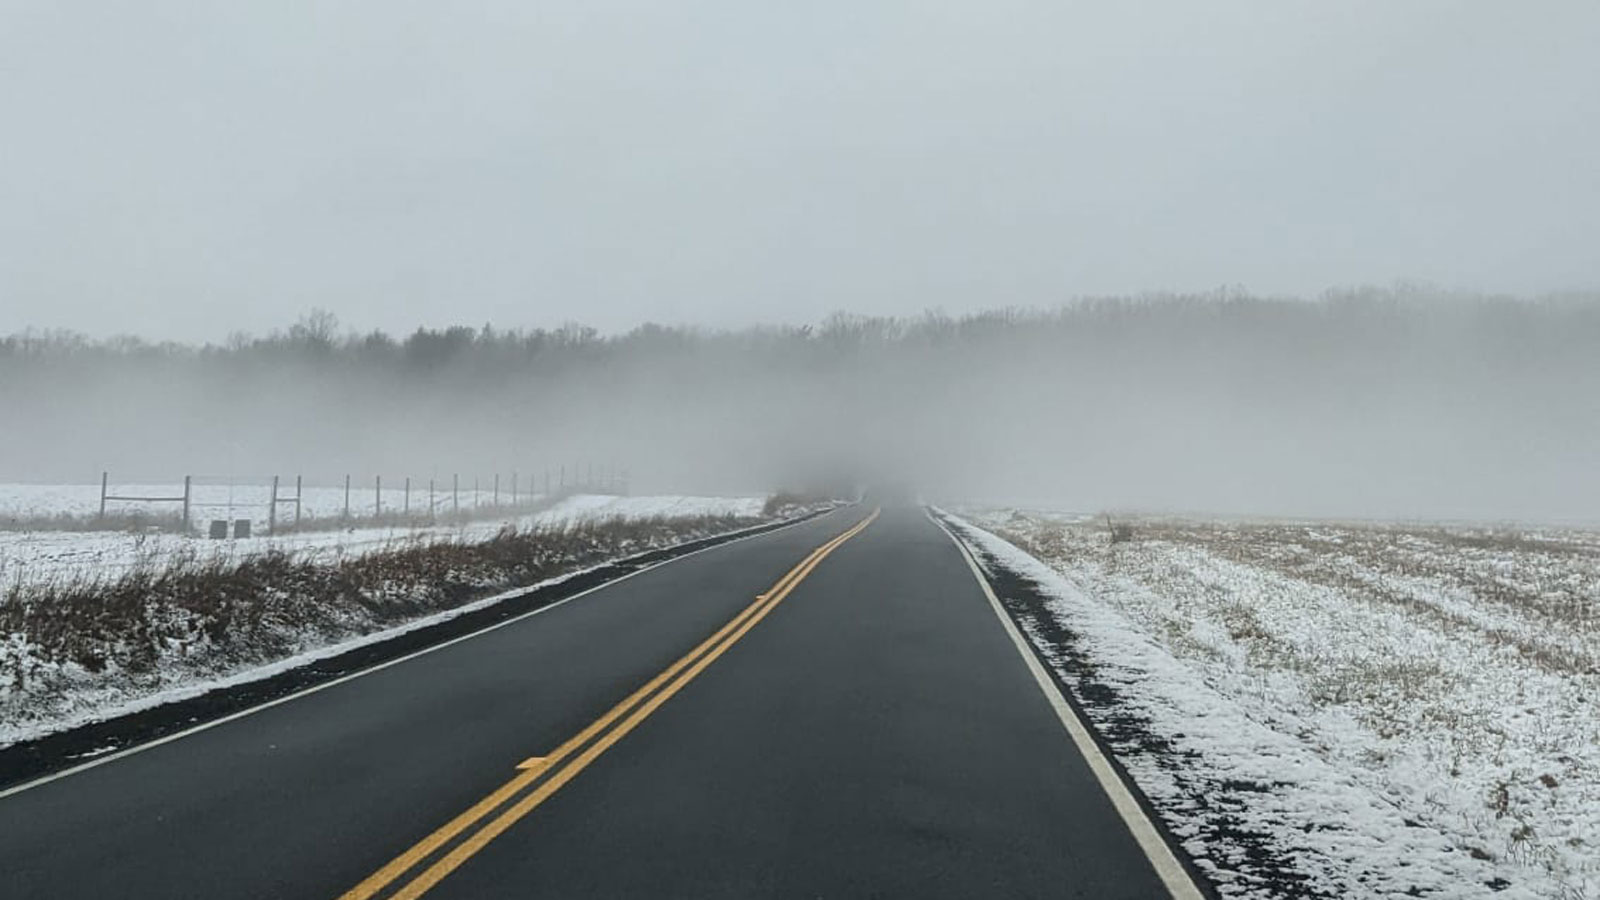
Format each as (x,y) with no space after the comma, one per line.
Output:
(189,169)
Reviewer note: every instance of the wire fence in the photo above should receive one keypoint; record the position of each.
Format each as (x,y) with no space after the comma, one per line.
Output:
(238,506)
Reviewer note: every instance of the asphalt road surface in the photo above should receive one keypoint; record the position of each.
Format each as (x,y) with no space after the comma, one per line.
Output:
(830,710)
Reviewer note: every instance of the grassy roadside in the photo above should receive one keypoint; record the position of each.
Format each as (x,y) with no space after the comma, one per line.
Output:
(72,650)
(1385,708)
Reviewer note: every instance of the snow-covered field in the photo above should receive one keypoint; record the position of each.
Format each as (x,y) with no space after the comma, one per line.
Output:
(100,624)
(33,557)
(215,499)
(1337,710)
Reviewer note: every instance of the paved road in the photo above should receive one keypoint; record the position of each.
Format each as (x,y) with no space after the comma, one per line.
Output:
(865,729)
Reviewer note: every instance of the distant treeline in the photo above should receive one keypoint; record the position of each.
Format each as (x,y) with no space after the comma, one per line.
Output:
(1392,402)
(1343,320)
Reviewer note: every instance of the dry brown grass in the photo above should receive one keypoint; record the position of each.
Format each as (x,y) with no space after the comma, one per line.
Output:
(789,502)
(218,613)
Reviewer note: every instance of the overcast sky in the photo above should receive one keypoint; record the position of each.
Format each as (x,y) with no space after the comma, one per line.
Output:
(186,170)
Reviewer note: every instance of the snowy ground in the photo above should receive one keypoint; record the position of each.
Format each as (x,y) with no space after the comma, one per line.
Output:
(606,506)
(43,556)
(1337,710)
(138,620)
(217,499)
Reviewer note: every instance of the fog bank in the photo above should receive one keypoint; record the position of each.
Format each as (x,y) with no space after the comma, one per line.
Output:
(1370,403)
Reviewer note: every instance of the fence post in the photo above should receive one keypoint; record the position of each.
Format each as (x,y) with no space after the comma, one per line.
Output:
(407,509)
(104,478)
(377,496)
(431,507)
(297,496)
(347,498)
(476,495)
(514,487)
(188,484)
(497,490)
(272,509)
(455,493)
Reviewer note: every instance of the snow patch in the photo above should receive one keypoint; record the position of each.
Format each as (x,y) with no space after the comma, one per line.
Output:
(1417,738)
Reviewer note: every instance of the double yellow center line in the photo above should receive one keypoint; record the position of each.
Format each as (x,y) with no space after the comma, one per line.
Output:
(547,774)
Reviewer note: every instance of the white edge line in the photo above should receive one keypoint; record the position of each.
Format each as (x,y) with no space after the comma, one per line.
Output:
(1171,872)
(206,726)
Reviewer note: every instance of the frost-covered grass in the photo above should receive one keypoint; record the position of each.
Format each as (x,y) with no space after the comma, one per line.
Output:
(590,507)
(97,622)
(1333,709)
(49,556)
(77,649)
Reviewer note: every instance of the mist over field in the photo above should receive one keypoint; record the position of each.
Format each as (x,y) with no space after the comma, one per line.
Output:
(1243,359)
(187,171)
(1408,403)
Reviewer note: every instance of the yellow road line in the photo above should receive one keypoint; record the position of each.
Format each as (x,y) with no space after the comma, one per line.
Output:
(535,767)
(398,866)
(466,849)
